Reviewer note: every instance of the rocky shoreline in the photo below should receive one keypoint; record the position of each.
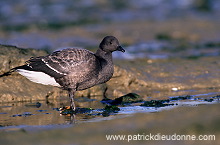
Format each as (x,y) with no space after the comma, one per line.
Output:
(141,76)
(16,88)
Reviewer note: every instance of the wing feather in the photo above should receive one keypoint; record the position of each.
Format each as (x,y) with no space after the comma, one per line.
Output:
(61,63)
(66,60)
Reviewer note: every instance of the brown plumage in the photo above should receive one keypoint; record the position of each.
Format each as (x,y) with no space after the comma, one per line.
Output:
(73,69)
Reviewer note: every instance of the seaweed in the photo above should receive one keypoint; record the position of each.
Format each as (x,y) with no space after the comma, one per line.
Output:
(108,110)
(181,98)
(166,102)
(157,103)
(209,100)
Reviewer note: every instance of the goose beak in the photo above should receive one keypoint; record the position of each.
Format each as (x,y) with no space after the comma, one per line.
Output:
(119,48)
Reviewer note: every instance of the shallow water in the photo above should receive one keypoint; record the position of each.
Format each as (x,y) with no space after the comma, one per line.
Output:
(34,116)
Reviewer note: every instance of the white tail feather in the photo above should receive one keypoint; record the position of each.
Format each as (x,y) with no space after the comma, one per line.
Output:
(38,77)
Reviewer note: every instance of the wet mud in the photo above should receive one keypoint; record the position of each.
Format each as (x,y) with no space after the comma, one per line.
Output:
(195,114)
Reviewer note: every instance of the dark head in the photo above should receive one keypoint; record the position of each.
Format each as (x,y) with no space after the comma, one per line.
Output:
(110,44)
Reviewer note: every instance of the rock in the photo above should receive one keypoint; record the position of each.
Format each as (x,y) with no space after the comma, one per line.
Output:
(162,75)
(123,82)
(126,99)
(12,56)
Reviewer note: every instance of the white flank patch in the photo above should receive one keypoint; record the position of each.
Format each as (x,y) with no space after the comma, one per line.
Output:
(38,77)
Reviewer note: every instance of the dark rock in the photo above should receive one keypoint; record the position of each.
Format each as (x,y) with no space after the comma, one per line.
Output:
(126,99)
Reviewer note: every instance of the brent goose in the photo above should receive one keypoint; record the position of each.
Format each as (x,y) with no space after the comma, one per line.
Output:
(73,69)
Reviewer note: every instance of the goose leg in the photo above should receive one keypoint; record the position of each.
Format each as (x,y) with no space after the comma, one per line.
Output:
(71,96)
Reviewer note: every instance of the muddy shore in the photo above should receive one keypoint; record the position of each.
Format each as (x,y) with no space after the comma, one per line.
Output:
(158,82)
(142,76)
